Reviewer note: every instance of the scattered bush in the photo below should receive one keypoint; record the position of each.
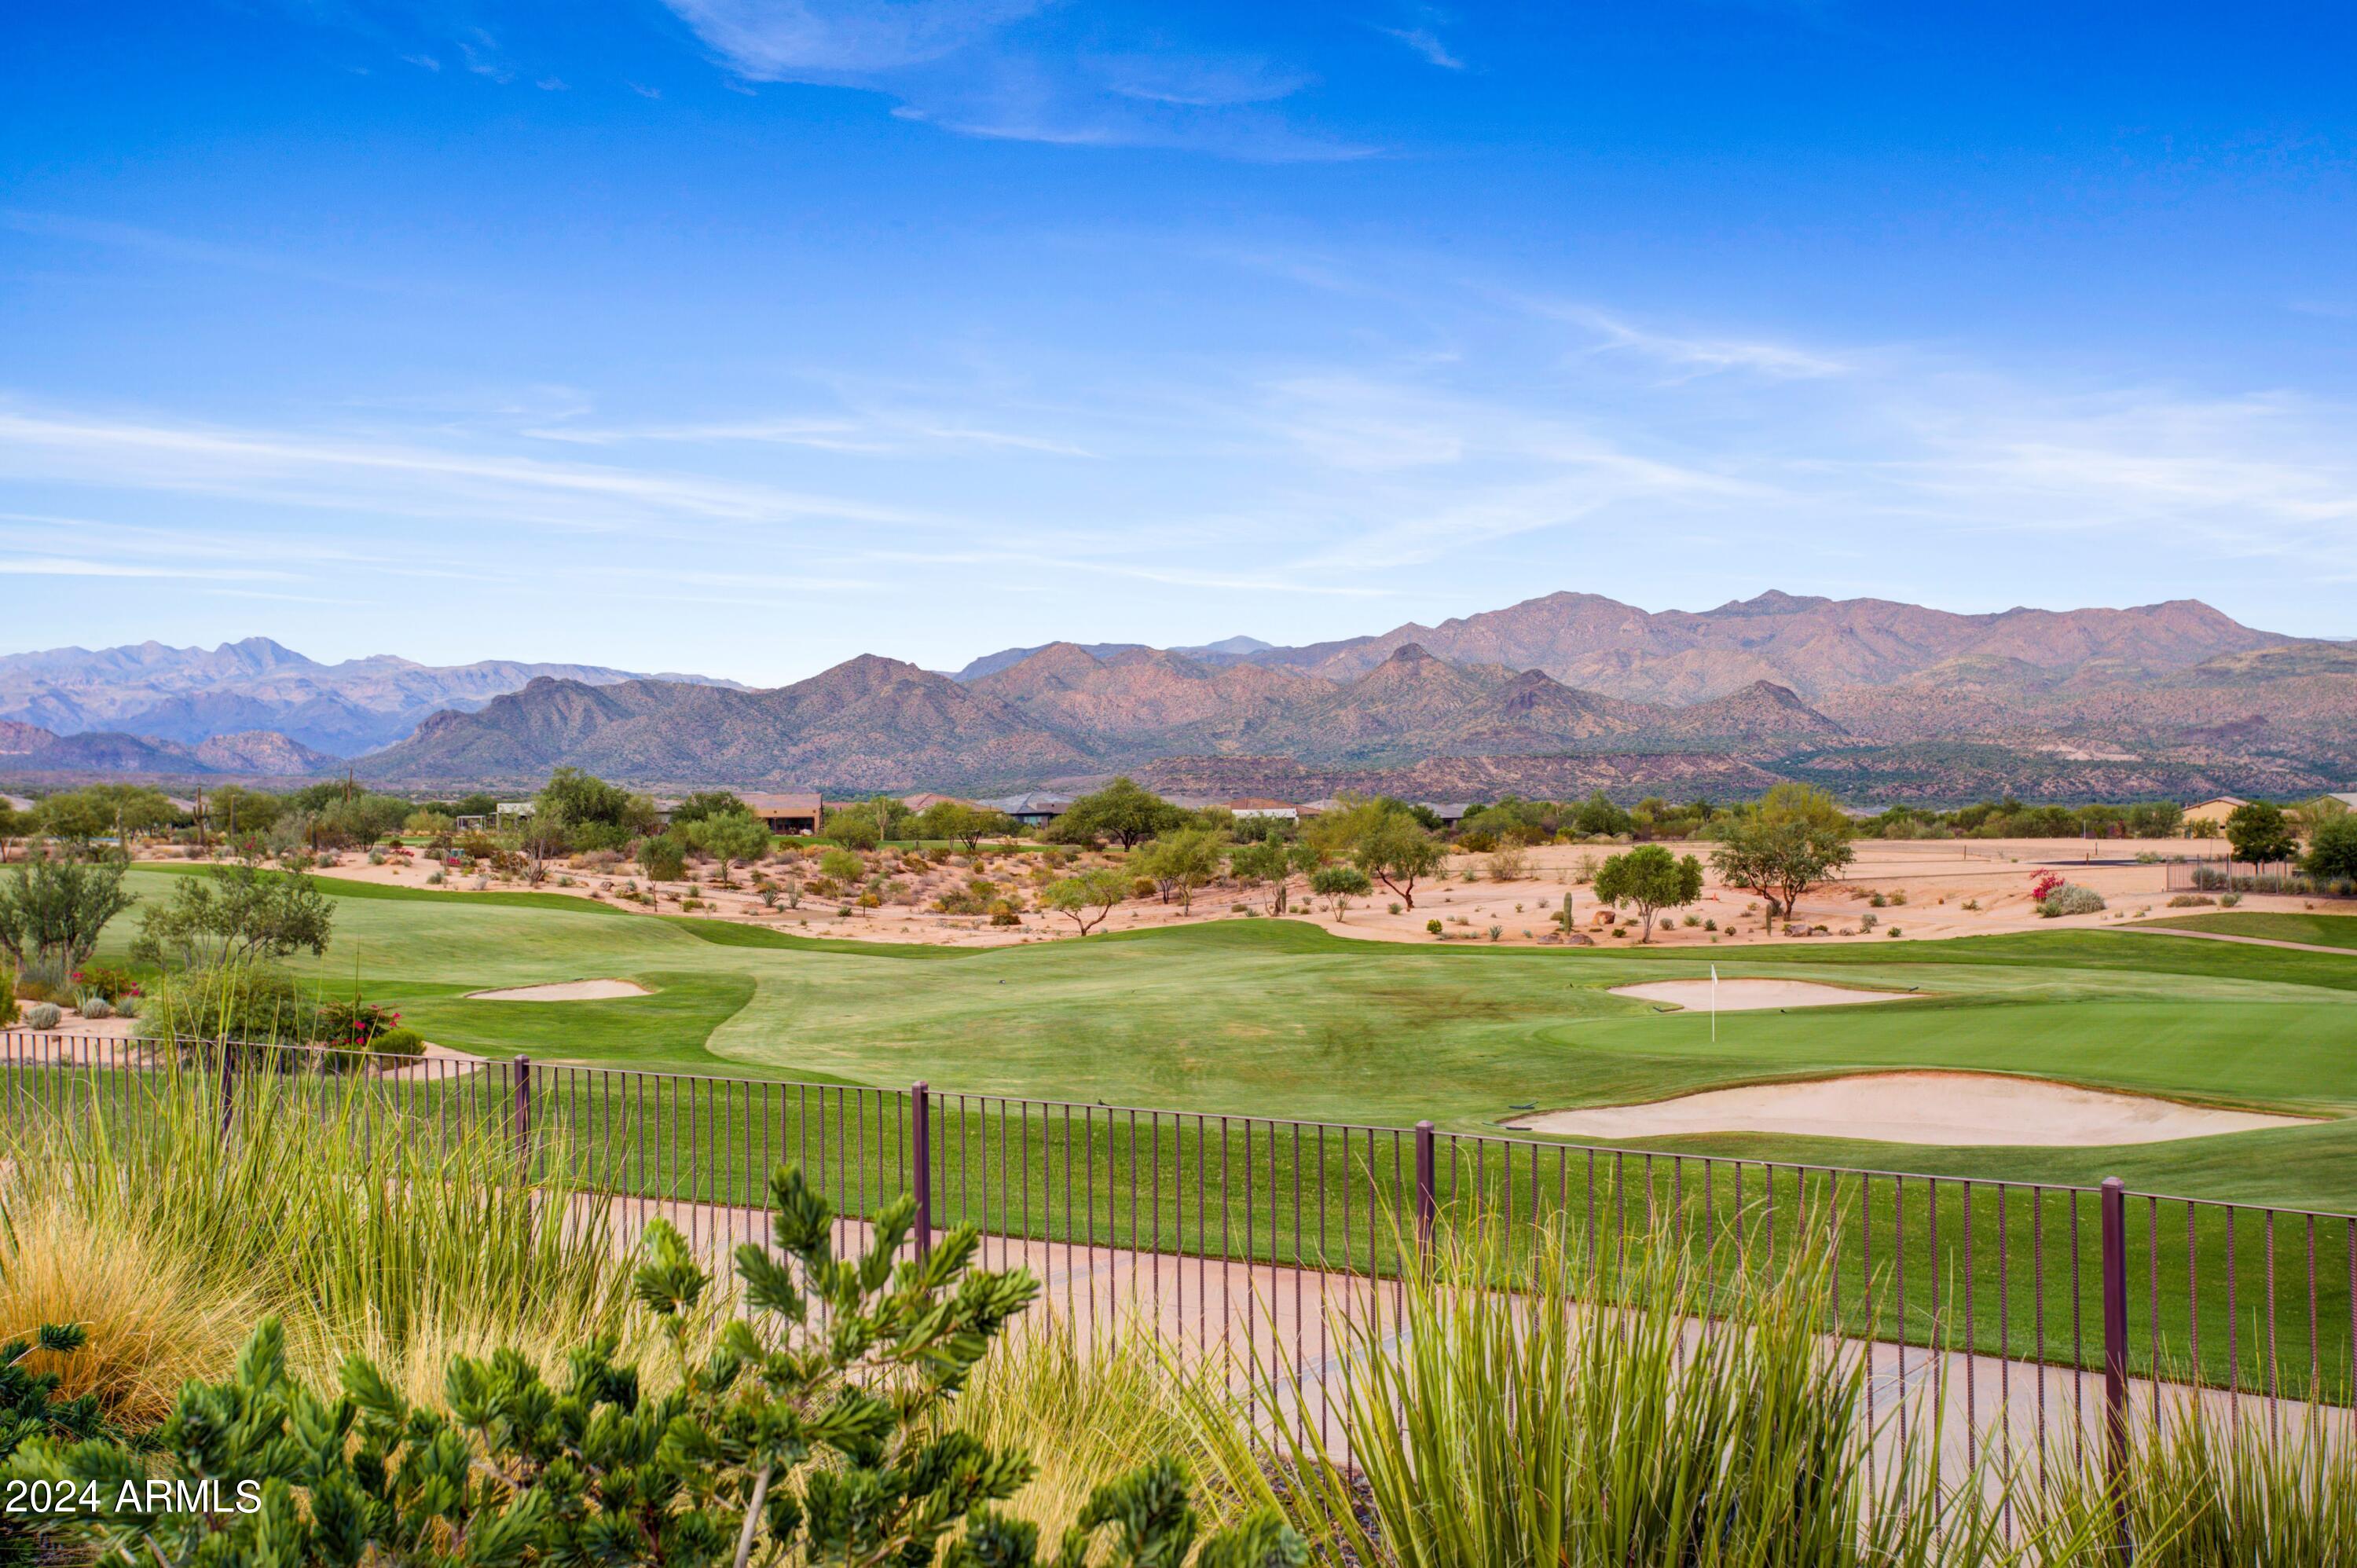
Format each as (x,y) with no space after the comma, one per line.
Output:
(2191,901)
(2070,898)
(43,1015)
(95,1008)
(1867,921)
(2228,900)
(1893,931)
(1393,907)
(1433,926)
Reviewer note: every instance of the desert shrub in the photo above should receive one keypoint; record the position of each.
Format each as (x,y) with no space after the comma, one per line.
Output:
(1393,907)
(257,1003)
(106,980)
(95,1007)
(8,996)
(2228,900)
(1509,863)
(1433,926)
(2070,898)
(43,1015)
(2191,901)
(434,878)
(1893,931)
(1869,920)
(1003,914)
(398,1041)
(1900,897)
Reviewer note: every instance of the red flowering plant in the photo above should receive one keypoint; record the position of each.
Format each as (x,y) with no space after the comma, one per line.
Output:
(2044,883)
(105,980)
(355,1026)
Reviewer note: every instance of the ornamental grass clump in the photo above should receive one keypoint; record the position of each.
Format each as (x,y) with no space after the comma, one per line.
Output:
(365,1222)
(1534,1405)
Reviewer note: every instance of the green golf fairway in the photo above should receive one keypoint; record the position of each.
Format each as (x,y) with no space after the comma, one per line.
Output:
(1274,1018)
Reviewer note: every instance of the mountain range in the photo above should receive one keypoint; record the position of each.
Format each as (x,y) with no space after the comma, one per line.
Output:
(191,695)
(1555,696)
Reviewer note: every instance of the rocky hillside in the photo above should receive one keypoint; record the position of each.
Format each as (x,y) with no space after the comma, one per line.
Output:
(190,696)
(252,754)
(1569,693)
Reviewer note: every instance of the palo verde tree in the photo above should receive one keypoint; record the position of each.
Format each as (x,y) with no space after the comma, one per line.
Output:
(962,822)
(1396,851)
(1087,897)
(237,914)
(1123,811)
(53,910)
(1272,862)
(731,836)
(1179,862)
(1652,880)
(1793,839)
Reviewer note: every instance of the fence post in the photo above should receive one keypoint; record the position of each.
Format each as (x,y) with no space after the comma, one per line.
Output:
(522,1113)
(1423,1197)
(920,1124)
(2114,1203)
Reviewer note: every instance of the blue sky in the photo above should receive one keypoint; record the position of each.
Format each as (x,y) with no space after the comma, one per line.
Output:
(743,336)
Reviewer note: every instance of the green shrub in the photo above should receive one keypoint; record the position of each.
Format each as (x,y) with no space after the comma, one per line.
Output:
(398,1041)
(1433,926)
(43,1015)
(2070,898)
(8,996)
(816,1437)
(94,1008)
(254,1004)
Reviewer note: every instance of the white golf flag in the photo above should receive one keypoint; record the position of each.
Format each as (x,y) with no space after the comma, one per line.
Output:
(1714,1003)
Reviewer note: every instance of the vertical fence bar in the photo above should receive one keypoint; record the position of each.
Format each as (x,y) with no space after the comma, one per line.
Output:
(920,1124)
(523,1118)
(2116,1353)
(1423,1196)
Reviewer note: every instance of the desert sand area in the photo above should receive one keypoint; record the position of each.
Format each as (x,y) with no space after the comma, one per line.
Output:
(1951,1109)
(1738,995)
(1929,888)
(563,991)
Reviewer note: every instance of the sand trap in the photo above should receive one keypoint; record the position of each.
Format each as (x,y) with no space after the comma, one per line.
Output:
(1751,995)
(563,990)
(1946,1108)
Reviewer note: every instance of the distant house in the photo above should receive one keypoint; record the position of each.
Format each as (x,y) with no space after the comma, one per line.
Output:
(792,814)
(2216,808)
(2346,797)
(922,802)
(511,813)
(1450,813)
(1033,808)
(1283,810)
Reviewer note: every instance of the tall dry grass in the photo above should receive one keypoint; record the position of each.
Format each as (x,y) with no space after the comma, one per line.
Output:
(135,1215)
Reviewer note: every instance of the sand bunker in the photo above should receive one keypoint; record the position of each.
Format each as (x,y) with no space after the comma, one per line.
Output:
(563,990)
(1749,995)
(1947,1108)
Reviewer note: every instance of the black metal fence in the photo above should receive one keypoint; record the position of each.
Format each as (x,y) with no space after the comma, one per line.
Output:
(2276,876)
(2044,1308)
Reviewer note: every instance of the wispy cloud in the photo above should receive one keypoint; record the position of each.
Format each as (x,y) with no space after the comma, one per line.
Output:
(1701,355)
(1426,42)
(1023,70)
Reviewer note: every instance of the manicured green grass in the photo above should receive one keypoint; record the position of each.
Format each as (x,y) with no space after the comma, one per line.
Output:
(343,887)
(1279,1018)
(2320,930)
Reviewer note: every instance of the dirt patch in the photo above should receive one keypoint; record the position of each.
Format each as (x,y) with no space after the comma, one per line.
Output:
(1949,1108)
(563,990)
(1752,996)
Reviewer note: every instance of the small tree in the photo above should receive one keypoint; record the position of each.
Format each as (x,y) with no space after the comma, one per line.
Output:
(1652,880)
(2258,832)
(1075,897)
(1338,885)
(663,858)
(235,915)
(52,910)
(960,823)
(1122,811)
(1394,850)
(1785,846)
(707,803)
(842,866)
(729,836)
(1272,862)
(2332,851)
